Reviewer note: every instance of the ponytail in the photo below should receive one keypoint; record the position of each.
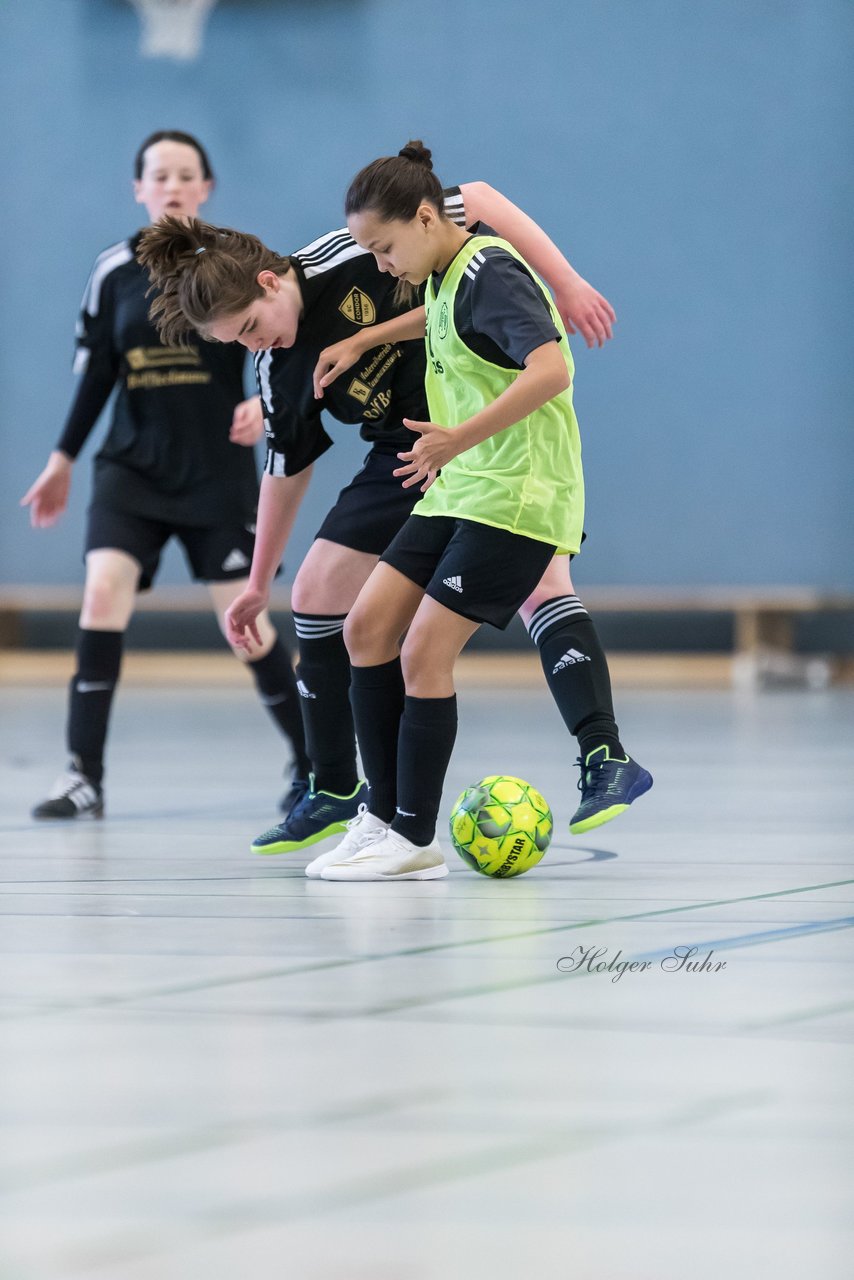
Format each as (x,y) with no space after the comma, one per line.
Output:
(201,273)
(394,186)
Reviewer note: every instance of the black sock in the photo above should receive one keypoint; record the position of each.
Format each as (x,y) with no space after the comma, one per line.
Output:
(277,689)
(427,734)
(99,659)
(377,695)
(323,681)
(576,672)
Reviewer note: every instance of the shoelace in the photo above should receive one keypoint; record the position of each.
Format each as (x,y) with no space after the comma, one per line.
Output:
(360,813)
(593,780)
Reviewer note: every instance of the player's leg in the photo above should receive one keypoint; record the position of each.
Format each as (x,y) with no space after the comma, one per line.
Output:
(470,573)
(388,605)
(324,590)
(219,556)
(112,578)
(367,514)
(273,673)
(576,671)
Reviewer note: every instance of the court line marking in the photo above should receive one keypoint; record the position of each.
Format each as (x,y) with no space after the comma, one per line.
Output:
(318,1016)
(259,1211)
(116,999)
(178,1143)
(745,940)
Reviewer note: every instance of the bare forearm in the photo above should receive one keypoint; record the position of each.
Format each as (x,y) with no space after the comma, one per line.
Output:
(484,203)
(403,328)
(278,504)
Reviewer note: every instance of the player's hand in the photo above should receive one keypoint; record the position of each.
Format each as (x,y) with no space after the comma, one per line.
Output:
(241,618)
(428,455)
(332,362)
(48,497)
(247,424)
(585,311)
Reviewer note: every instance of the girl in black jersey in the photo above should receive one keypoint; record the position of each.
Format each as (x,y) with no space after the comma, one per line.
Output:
(177,461)
(228,285)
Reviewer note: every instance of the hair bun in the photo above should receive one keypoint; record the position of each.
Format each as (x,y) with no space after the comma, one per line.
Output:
(417,153)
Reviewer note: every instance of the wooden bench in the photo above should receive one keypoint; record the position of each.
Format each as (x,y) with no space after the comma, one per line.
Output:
(764,618)
(764,623)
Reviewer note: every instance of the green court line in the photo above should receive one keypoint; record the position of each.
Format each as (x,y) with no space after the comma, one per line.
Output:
(544,979)
(269,1211)
(265,975)
(213,1136)
(496,988)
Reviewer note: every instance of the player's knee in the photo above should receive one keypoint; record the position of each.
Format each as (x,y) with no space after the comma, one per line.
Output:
(104,605)
(303,598)
(422,664)
(364,636)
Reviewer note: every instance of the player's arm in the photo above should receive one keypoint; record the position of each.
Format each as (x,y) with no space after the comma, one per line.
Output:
(278,503)
(581,307)
(543,377)
(295,442)
(97,367)
(333,361)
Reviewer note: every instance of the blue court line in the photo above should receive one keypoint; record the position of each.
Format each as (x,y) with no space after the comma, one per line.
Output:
(518,984)
(757,939)
(436,948)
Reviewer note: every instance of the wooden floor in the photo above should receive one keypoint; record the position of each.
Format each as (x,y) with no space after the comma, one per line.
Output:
(214,1068)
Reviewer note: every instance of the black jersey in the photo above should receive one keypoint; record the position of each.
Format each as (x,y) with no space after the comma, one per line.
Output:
(343,291)
(167,455)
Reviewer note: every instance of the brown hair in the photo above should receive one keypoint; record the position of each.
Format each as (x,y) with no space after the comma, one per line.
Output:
(394,186)
(172,135)
(201,273)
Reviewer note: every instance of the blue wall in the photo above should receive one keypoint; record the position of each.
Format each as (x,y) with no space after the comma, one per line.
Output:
(693,160)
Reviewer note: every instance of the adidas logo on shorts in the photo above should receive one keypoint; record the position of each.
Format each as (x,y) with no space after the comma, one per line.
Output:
(455,583)
(234,560)
(569,659)
(304,691)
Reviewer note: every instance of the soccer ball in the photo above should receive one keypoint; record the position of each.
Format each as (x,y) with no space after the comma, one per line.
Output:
(501,826)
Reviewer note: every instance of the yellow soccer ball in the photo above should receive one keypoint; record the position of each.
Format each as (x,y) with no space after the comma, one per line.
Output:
(501,826)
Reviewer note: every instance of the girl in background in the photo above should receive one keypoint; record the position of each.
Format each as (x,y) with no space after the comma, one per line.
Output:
(177,462)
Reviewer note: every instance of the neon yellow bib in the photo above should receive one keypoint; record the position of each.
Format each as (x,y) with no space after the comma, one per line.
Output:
(526,479)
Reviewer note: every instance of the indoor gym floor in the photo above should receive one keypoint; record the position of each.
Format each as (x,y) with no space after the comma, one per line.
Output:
(213,1067)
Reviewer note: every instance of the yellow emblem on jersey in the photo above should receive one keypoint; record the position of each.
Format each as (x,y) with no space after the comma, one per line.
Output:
(157,357)
(359,391)
(357,306)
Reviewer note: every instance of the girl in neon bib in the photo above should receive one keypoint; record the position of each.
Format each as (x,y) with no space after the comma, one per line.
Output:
(510,495)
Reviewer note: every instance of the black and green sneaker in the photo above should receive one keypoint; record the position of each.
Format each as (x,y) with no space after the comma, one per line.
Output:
(608,786)
(315,816)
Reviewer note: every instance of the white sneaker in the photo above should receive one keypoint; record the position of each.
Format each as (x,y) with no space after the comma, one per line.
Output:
(362,830)
(392,857)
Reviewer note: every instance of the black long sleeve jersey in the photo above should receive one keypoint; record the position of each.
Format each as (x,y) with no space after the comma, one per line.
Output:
(343,291)
(167,455)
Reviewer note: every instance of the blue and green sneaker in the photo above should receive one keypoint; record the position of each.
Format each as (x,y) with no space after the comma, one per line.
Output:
(608,786)
(315,816)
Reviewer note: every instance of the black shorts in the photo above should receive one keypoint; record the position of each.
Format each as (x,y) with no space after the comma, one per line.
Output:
(372,508)
(214,555)
(481,573)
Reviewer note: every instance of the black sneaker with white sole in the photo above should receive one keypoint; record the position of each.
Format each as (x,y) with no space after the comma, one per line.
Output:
(74,796)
